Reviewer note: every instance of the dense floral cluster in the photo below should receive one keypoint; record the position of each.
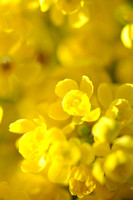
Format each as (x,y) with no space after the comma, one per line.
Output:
(95,145)
(66,100)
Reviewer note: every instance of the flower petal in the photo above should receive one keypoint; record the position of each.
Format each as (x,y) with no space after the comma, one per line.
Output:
(56,111)
(58,173)
(22,126)
(45,5)
(104,94)
(1,113)
(86,86)
(125,92)
(33,166)
(77,120)
(93,115)
(65,86)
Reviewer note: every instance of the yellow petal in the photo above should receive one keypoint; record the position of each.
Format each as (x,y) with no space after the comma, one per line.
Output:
(118,166)
(56,16)
(104,95)
(22,126)
(56,111)
(1,113)
(80,18)
(58,173)
(124,142)
(33,166)
(32,145)
(87,153)
(93,115)
(97,171)
(65,86)
(68,129)
(105,130)
(125,92)
(55,134)
(126,35)
(45,5)
(76,103)
(102,149)
(86,86)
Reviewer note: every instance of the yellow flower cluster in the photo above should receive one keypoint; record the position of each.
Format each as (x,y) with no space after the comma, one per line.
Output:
(65,5)
(66,100)
(77,11)
(66,154)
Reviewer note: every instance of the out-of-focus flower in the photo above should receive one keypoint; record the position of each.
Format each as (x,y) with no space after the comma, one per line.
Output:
(81,181)
(121,110)
(106,130)
(33,144)
(67,7)
(118,166)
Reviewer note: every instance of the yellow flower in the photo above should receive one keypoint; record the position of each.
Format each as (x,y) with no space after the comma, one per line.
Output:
(32,145)
(118,166)
(33,166)
(81,182)
(124,142)
(34,142)
(67,152)
(125,91)
(62,156)
(105,130)
(59,172)
(121,110)
(75,101)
